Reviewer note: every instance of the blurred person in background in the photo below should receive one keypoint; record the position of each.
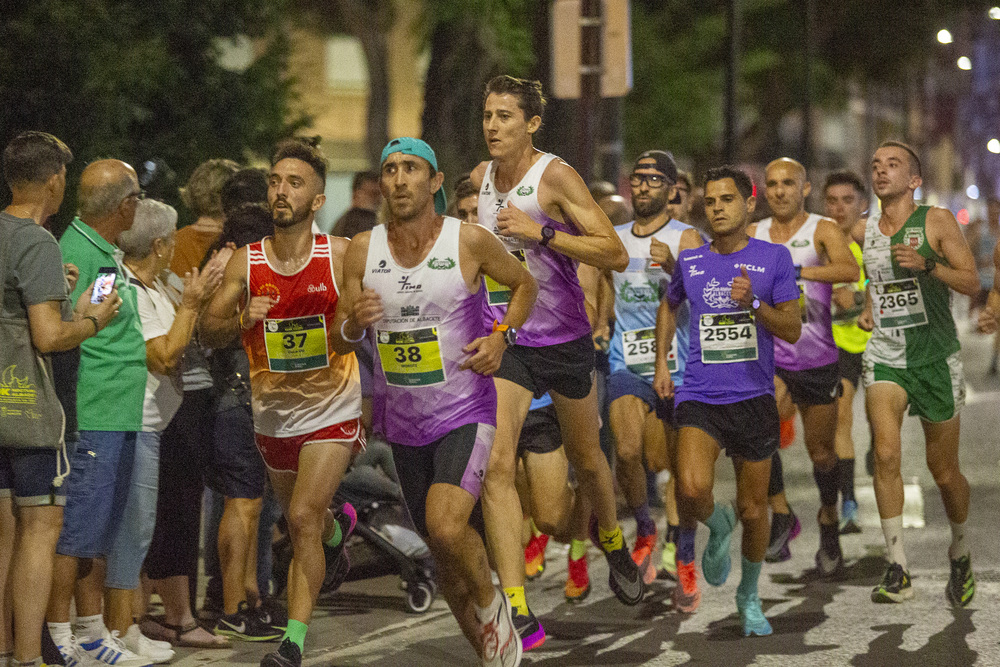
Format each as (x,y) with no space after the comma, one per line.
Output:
(466,201)
(365,201)
(201,196)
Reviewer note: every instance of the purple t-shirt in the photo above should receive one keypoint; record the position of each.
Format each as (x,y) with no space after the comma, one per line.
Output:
(730,353)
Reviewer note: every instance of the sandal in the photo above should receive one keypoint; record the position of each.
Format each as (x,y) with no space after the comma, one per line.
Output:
(214,641)
(154,628)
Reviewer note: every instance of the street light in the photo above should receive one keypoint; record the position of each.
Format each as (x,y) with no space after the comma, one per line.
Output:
(964,63)
(972,192)
(993,145)
(995,13)
(944,36)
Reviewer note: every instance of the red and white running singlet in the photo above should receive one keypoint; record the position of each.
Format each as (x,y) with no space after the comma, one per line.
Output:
(299,384)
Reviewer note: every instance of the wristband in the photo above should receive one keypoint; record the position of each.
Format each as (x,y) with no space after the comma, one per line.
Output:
(364,332)
(798,272)
(239,321)
(97,327)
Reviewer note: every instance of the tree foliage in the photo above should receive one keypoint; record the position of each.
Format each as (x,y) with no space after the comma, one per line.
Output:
(135,80)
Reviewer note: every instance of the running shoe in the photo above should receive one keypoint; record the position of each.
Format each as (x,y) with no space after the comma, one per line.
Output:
(577,580)
(624,577)
(336,569)
(642,556)
(752,616)
(248,625)
(895,585)
(668,561)
(157,651)
(288,655)
(715,560)
(73,655)
(961,586)
(686,593)
(829,564)
(784,529)
(787,436)
(530,630)
(500,641)
(272,613)
(111,650)
(849,518)
(534,556)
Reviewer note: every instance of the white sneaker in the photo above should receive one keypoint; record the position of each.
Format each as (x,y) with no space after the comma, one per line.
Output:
(501,643)
(74,656)
(157,651)
(111,650)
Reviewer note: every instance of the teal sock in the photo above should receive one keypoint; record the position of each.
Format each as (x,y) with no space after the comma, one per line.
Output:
(296,632)
(748,580)
(717,521)
(338,535)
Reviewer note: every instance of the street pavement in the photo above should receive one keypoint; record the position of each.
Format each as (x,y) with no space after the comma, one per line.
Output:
(815,622)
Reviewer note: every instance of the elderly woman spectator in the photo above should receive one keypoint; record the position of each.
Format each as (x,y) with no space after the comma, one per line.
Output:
(168,319)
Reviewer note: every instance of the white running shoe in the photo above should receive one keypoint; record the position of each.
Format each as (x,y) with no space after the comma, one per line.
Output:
(157,651)
(111,650)
(501,643)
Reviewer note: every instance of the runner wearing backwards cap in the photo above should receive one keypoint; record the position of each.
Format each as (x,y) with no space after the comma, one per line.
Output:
(742,295)
(547,219)
(417,282)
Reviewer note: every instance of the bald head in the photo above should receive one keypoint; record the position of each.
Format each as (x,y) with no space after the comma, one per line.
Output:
(616,208)
(788,163)
(104,185)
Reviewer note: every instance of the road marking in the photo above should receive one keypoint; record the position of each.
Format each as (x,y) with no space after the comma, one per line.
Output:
(913,505)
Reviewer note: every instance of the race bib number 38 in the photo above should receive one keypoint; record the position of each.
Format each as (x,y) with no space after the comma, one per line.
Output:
(411,358)
(296,344)
(898,304)
(497,294)
(727,337)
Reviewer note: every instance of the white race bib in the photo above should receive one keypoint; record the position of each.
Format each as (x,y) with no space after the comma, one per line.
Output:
(639,351)
(727,338)
(898,304)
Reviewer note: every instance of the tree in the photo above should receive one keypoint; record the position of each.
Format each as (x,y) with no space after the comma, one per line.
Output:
(135,80)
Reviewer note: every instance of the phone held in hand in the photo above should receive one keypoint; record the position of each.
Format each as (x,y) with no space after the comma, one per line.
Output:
(105,282)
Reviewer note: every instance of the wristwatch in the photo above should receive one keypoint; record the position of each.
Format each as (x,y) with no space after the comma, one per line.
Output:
(509,333)
(798,272)
(929,264)
(755,304)
(548,232)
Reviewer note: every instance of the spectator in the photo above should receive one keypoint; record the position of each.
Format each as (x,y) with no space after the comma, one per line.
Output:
(112,382)
(38,319)
(467,201)
(201,196)
(365,201)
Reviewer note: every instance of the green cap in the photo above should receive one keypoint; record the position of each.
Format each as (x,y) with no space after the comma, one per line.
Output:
(420,148)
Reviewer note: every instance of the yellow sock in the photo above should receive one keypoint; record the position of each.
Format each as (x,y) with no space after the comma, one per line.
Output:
(516,596)
(610,539)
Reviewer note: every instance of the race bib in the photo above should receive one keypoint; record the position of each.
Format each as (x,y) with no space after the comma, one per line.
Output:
(727,338)
(497,294)
(898,304)
(411,358)
(639,351)
(296,344)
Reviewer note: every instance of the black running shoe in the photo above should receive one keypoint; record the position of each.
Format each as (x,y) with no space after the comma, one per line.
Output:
(895,585)
(272,613)
(961,586)
(530,629)
(784,528)
(624,577)
(246,624)
(287,655)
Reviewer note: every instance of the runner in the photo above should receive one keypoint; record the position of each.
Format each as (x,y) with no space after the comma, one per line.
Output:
(846,200)
(546,217)
(807,370)
(417,279)
(742,295)
(641,421)
(913,256)
(280,295)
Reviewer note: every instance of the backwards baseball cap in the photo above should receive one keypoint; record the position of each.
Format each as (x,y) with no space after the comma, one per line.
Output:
(420,148)
(664,163)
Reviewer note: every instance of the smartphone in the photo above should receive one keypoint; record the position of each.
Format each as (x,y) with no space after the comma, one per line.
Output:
(106,276)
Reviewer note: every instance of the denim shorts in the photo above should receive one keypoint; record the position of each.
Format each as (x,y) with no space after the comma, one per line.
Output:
(29,475)
(98,482)
(129,542)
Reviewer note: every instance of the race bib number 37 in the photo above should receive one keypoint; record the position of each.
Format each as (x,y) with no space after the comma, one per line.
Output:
(296,344)
(727,338)
(411,358)
(898,304)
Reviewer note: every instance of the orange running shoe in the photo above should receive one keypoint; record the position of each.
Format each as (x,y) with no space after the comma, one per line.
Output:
(577,580)
(686,593)
(642,555)
(534,556)
(787,433)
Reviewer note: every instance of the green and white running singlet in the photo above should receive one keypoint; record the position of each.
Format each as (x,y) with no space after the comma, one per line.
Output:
(912,309)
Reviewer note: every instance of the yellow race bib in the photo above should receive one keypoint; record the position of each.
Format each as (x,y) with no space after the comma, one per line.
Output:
(411,358)
(497,294)
(296,344)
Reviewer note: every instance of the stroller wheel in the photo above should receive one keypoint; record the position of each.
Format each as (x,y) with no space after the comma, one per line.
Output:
(419,597)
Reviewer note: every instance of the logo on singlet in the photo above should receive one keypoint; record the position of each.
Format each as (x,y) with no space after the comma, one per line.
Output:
(381,268)
(752,267)
(799,243)
(406,286)
(441,264)
(312,289)
(271,290)
(719,296)
(409,311)
(525,190)
(693,271)
(914,238)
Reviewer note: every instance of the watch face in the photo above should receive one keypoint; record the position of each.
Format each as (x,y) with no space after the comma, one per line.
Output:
(548,232)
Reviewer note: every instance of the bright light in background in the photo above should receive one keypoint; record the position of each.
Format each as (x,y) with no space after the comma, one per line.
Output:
(964,63)
(944,36)
(995,13)
(962,216)
(972,192)
(993,145)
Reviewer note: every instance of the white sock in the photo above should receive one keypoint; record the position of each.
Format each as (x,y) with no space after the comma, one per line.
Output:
(60,632)
(486,614)
(90,627)
(958,547)
(6,658)
(892,529)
